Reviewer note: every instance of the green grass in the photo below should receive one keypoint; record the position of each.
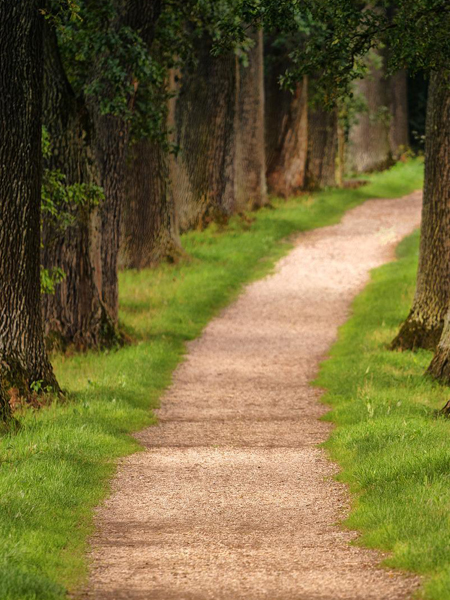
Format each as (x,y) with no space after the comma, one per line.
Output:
(58,466)
(394,452)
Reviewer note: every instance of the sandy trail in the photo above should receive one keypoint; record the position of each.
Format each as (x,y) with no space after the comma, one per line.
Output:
(232,499)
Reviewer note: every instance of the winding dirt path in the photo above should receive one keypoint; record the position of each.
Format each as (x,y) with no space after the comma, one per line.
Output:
(232,499)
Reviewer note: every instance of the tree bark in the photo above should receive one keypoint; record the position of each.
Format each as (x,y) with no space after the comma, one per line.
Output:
(341,145)
(204,172)
(398,131)
(287,168)
(286,125)
(369,148)
(251,158)
(322,148)
(150,227)
(74,314)
(424,325)
(23,358)
(440,365)
(111,143)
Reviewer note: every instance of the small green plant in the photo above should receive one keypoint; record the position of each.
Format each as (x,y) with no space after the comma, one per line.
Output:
(38,388)
(50,279)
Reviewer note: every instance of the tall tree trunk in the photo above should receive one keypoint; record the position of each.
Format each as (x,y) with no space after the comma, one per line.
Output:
(341,145)
(251,156)
(204,172)
(111,144)
(287,168)
(150,228)
(369,148)
(423,327)
(286,125)
(74,314)
(398,131)
(322,148)
(23,359)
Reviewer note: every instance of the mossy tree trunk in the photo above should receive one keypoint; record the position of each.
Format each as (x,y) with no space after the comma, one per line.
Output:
(204,171)
(74,314)
(150,227)
(23,358)
(425,322)
(251,157)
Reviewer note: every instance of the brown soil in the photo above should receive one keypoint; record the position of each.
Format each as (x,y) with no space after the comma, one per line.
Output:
(232,499)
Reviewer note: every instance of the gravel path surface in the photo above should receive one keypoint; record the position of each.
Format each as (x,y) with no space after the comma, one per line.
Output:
(232,499)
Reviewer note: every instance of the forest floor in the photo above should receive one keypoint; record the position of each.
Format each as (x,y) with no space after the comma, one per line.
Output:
(232,497)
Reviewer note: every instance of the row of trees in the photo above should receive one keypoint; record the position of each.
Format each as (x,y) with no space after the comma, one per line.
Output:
(126,122)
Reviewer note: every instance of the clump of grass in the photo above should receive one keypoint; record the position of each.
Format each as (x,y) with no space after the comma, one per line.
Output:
(394,450)
(56,468)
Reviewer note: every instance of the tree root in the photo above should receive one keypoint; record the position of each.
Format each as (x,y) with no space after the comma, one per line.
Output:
(414,335)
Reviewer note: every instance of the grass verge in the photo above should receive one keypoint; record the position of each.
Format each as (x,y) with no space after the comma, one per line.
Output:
(58,466)
(394,452)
